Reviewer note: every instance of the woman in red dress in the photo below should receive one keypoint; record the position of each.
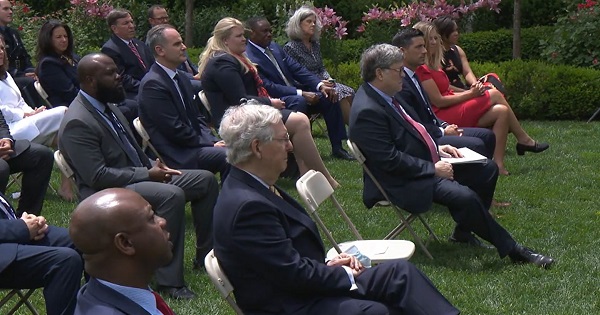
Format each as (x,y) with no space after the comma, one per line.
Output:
(476,107)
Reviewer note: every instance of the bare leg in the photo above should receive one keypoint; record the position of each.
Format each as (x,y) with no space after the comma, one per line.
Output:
(66,188)
(513,123)
(345,105)
(497,118)
(305,149)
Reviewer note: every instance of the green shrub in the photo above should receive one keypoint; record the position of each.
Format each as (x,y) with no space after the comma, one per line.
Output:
(536,90)
(496,46)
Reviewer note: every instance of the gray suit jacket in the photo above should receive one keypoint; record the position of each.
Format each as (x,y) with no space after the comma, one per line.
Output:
(94,151)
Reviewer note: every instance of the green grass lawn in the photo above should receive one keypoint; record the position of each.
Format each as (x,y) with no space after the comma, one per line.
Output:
(554,210)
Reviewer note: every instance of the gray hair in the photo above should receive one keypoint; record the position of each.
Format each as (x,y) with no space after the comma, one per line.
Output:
(294,30)
(156,36)
(380,56)
(243,124)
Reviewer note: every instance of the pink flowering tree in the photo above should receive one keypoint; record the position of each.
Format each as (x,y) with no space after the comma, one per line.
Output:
(86,19)
(575,37)
(380,24)
(333,31)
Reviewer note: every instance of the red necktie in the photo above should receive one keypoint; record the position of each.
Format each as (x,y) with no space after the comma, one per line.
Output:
(162,306)
(422,131)
(136,53)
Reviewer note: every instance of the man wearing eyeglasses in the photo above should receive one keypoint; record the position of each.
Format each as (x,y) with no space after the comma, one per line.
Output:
(157,14)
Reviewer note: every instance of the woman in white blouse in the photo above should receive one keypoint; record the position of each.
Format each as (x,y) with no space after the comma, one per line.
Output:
(39,125)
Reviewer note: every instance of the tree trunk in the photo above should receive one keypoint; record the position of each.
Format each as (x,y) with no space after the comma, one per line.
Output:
(517,30)
(189,23)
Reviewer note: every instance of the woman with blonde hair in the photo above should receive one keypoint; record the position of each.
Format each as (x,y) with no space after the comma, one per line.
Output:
(228,76)
(304,30)
(476,107)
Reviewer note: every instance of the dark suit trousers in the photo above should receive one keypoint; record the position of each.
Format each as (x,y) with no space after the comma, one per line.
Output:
(168,201)
(469,197)
(332,114)
(395,287)
(51,264)
(480,140)
(36,164)
(213,159)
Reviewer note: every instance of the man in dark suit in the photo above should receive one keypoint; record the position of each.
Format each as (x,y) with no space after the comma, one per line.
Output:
(272,252)
(169,109)
(300,89)
(19,61)
(132,56)
(123,242)
(97,143)
(35,255)
(481,140)
(406,160)
(157,14)
(34,160)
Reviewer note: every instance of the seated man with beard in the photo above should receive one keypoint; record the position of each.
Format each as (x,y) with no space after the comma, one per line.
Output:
(98,144)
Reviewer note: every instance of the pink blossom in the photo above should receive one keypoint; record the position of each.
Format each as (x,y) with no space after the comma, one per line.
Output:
(75,2)
(361,28)
(91,1)
(595,61)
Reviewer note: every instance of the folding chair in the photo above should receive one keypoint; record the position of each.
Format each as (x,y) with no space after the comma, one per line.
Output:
(314,189)
(314,118)
(204,100)
(145,138)
(404,221)
(219,279)
(38,87)
(63,166)
(22,299)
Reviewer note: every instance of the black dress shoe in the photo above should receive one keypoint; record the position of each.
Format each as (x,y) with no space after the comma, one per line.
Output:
(342,155)
(182,293)
(469,239)
(521,254)
(536,148)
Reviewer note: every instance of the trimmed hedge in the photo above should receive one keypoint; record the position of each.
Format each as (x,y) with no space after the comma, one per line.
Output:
(536,90)
(496,46)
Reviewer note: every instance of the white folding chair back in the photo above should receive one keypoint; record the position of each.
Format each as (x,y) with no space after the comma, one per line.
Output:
(38,87)
(204,100)
(22,299)
(314,189)
(63,166)
(404,221)
(220,281)
(139,128)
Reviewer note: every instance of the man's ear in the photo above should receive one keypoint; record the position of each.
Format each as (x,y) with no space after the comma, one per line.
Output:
(255,147)
(123,244)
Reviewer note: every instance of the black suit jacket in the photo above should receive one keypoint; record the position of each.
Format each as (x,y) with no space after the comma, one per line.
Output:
(12,233)
(177,130)
(59,79)
(19,61)
(128,64)
(95,152)
(395,153)
(225,83)
(270,249)
(422,107)
(96,298)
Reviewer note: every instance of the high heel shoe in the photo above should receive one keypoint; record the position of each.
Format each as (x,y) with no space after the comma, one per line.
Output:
(536,148)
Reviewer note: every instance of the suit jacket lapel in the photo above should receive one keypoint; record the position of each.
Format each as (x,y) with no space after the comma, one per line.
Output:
(423,98)
(285,204)
(391,111)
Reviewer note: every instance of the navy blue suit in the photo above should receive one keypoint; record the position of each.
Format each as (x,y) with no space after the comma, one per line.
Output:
(273,254)
(51,262)
(402,163)
(96,298)
(59,79)
(480,140)
(176,128)
(128,64)
(299,78)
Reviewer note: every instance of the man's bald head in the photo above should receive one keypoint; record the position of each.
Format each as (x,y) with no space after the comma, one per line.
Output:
(97,219)
(121,239)
(99,77)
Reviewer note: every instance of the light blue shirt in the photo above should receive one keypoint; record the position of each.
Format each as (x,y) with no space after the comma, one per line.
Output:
(142,297)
